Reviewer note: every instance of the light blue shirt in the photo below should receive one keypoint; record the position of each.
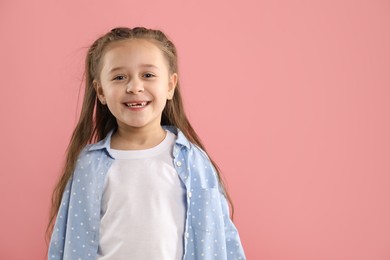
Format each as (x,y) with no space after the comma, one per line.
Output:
(209,231)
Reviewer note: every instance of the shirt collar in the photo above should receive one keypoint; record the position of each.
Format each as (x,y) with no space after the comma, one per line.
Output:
(181,138)
(106,142)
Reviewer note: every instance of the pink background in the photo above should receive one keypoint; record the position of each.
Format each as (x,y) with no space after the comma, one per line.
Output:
(291,98)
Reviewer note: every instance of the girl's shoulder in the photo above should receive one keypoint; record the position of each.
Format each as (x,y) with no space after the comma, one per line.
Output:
(93,152)
(98,148)
(182,141)
(197,152)
(86,151)
(92,160)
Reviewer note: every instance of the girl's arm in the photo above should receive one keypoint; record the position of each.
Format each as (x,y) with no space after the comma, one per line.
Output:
(57,241)
(207,180)
(234,249)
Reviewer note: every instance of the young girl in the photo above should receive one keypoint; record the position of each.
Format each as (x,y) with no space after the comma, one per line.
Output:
(137,183)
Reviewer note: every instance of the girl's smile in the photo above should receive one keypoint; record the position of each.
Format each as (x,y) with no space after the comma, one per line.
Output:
(137,105)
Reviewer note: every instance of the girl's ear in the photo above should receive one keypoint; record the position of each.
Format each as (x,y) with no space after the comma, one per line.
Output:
(172,85)
(99,91)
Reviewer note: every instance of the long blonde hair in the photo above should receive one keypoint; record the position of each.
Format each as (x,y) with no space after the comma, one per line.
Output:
(96,121)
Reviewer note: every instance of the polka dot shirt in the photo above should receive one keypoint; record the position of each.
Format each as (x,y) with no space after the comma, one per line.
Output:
(209,232)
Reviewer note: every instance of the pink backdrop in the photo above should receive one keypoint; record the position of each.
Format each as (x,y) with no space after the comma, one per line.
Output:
(292,99)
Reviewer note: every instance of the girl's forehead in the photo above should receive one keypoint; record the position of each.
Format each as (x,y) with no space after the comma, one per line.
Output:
(134,47)
(132,51)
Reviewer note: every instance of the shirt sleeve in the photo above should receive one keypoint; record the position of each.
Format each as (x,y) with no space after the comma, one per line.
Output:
(57,241)
(233,246)
(234,249)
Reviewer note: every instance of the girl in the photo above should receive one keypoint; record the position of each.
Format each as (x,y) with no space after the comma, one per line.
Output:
(137,183)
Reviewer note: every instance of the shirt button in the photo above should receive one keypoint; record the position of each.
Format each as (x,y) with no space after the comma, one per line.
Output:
(187,235)
(178,163)
(189,194)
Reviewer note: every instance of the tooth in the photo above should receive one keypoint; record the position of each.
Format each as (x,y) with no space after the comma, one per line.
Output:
(138,105)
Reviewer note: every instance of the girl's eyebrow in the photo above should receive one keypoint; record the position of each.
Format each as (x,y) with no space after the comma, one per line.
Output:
(149,66)
(142,66)
(115,69)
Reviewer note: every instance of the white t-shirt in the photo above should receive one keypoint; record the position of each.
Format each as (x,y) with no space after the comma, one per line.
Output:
(143,206)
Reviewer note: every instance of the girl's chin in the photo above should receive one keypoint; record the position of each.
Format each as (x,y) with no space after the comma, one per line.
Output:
(139,125)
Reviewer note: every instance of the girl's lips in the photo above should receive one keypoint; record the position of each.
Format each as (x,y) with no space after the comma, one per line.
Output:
(137,104)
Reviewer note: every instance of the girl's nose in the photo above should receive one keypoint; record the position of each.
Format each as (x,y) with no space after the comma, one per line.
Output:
(134,86)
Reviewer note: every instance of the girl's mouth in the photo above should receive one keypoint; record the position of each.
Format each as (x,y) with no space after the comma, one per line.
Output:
(137,104)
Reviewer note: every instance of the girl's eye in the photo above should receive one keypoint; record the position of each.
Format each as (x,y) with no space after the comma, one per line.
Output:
(148,75)
(120,77)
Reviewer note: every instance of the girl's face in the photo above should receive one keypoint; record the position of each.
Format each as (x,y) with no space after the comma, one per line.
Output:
(135,83)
